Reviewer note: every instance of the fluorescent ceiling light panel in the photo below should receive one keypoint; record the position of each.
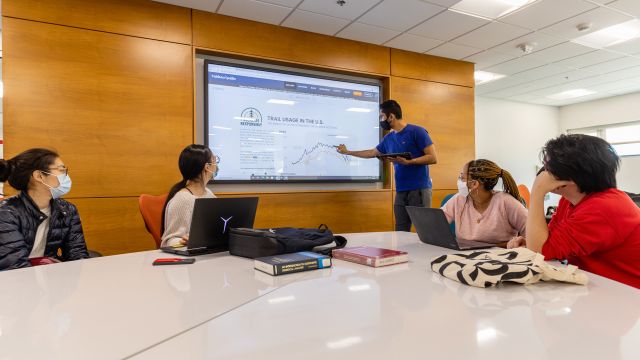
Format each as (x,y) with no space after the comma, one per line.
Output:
(611,35)
(570,94)
(281,102)
(489,9)
(357,109)
(483,77)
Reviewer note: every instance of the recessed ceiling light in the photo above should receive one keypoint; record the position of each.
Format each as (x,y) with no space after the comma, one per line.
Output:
(483,77)
(490,9)
(611,35)
(570,94)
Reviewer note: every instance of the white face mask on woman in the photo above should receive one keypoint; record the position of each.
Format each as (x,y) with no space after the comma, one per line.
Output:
(63,188)
(463,189)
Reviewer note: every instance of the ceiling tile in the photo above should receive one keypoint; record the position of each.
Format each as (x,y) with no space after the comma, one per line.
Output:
(500,84)
(350,11)
(488,58)
(631,47)
(412,42)
(613,65)
(614,85)
(590,58)
(599,18)
(448,25)
(524,97)
(453,51)
(539,40)
(287,3)
(624,74)
(204,5)
(317,23)
(445,3)
(601,79)
(542,57)
(388,13)
(631,7)
(367,33)
(490,35)
(543,13)
(255,10)
(545,71)
(516,66)
(541,83)
(627,90)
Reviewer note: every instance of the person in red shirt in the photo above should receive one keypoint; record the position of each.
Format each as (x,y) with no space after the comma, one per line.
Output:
(596,226)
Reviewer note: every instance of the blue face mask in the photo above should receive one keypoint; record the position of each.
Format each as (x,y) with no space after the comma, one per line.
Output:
(63,188)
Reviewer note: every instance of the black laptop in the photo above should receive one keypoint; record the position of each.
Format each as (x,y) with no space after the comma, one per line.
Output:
(433,228)
(211,221)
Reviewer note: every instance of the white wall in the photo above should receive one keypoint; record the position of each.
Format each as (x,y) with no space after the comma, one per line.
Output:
(613,110)
(512,133)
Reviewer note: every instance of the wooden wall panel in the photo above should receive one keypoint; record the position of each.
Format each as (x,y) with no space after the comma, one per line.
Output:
(113,225)
(117,103)
(141,18)
(447,112)
(228,34)
(431,68)
(118,108)
(343,211)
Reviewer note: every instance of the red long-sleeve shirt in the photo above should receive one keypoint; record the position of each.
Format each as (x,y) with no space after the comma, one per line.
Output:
(601,234)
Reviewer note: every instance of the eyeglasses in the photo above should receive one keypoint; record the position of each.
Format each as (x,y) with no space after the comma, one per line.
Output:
(216,159)
(61,168)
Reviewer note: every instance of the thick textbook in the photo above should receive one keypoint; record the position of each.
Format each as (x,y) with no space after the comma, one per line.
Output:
(371,256)
(290,263)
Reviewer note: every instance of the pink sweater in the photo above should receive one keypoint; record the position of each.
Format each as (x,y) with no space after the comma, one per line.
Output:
(505,218)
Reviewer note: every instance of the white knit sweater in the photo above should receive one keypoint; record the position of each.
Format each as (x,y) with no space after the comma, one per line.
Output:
(177,216)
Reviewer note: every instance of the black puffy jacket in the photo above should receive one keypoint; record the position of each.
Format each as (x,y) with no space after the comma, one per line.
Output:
(19,220)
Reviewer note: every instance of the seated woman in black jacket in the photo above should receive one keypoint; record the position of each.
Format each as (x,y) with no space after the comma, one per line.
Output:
(36,222)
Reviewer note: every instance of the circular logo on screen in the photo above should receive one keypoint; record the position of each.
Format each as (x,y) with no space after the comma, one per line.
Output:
(251,117)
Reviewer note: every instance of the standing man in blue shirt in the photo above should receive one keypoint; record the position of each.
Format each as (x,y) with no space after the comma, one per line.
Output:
(413,184)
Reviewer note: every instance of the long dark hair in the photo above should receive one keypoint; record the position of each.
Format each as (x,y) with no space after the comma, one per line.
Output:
(18,170)
(192,161)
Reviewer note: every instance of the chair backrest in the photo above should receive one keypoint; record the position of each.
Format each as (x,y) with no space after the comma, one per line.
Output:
(452,226)
(525,194)
(445,199)
(151,210)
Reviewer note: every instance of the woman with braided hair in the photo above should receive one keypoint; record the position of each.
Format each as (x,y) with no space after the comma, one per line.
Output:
(482,213)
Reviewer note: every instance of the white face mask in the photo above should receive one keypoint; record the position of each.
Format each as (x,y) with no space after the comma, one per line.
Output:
(463,189)
(63,188)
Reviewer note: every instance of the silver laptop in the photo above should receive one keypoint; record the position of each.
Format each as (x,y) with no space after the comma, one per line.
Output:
(210,223)
(433,228)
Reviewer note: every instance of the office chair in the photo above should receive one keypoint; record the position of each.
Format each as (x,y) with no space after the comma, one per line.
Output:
(151,211)
(525,194)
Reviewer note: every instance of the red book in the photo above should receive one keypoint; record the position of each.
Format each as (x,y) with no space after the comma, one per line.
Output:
(371,256)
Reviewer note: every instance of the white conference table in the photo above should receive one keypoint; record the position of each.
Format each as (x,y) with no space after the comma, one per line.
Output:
(220,308)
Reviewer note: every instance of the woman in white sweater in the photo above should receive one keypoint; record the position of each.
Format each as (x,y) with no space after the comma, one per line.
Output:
(197,165)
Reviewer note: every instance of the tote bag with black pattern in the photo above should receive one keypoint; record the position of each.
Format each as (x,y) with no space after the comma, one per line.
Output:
(487,268)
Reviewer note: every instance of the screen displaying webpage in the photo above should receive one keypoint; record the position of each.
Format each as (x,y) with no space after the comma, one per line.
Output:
(267,125)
